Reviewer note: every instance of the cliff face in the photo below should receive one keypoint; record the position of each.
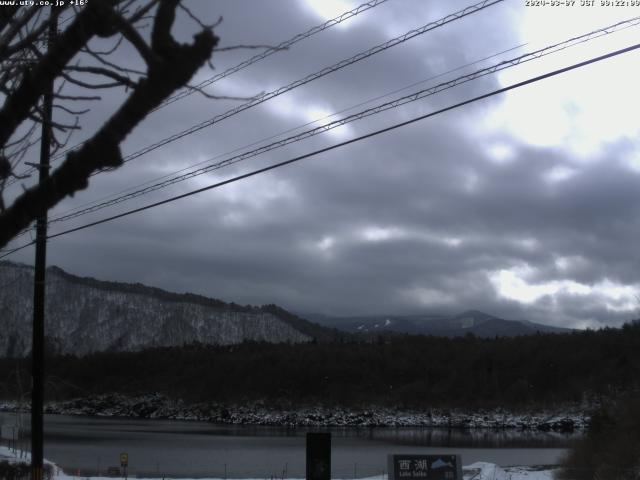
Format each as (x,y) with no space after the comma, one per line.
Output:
(86,315)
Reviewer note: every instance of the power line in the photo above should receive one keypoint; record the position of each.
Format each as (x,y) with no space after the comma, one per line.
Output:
(6,253)
(100,203)
(90,205)
(293,129)
(341,144)
(309,78)
(278,48)
(256,58)
(314,76)
(421,94)
(94,206)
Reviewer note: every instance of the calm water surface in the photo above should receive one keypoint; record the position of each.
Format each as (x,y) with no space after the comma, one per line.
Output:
(196,449)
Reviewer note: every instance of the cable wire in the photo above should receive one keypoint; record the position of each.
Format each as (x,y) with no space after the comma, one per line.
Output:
(421,94)
(281,46)
(256,58)
(95,206)
(280,134)
(315,76)
(309,78)
(103,202)
(341,144)
(302,81)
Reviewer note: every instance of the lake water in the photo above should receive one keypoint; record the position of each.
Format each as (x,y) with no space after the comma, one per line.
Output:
(88,445)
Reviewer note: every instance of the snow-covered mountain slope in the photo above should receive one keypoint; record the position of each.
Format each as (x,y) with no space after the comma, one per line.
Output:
(84,315)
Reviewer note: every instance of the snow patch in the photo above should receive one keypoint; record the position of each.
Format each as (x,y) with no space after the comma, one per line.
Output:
(475,471)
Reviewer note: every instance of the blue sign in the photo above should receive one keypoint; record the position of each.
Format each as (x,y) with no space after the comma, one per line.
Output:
(425,467)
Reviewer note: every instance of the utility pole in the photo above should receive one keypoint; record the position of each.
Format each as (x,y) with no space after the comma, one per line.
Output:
(37,349)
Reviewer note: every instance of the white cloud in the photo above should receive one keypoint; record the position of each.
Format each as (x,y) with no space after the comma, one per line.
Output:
(526,243)
(382,234)
(328,9)
(579,111)
(537,118)
(379,234)
(632,160)
(326,243)
(500,153)
(559,174)
(321,116)
(562,263)
(512,284)
(255,195)
(309,115)
(620,298)
(470,181)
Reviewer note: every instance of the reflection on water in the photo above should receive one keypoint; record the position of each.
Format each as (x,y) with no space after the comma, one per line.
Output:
(196,449)
(486,438)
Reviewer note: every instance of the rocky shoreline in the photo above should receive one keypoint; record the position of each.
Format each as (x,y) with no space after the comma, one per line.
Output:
(155,406)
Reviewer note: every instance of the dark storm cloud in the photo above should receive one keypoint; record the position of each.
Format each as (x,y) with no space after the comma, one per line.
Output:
(416,220)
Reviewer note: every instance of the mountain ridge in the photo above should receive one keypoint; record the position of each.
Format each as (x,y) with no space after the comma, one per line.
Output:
(468,322)
(143,289)
(86,315)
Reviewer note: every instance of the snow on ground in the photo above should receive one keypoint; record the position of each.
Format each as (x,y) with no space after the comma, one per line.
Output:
(491,471)
(565,418)
(475,471)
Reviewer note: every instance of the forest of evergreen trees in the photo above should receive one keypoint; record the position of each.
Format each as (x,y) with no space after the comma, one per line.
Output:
(404,371)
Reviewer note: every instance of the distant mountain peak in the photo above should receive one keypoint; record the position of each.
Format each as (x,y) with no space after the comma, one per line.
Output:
(473,322)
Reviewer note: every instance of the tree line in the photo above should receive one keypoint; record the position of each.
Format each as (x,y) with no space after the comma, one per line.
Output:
(402,370)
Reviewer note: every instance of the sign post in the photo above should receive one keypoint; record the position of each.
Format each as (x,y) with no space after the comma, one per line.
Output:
(425,467)
(124,463)
(318,456)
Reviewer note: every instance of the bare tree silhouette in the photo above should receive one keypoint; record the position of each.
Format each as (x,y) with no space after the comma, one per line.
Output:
(80,70)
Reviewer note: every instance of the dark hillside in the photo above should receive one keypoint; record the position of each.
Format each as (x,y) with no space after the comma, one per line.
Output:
(405,371)
(473,322)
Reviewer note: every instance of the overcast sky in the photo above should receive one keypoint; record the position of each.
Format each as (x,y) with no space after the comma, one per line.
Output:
(525,205)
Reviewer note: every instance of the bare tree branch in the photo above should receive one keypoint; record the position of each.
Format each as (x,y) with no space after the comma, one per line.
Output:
(15,26)
(141,12)
(22,138)
(221,97)
(7,50)
(112,49)
(132,35)
(92,86)
(100,58)
(71,112)
(170,66)
(6,15)
(37,117)
(92,20)
(77,97)
(120,79)
(197,20)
